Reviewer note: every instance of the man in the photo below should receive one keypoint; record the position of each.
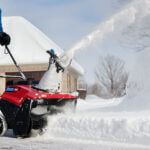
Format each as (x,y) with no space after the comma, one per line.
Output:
(4,37)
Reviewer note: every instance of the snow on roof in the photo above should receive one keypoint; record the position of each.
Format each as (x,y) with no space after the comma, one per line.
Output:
(28,43)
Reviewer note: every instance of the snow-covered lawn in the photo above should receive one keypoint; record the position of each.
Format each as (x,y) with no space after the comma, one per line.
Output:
(97,124)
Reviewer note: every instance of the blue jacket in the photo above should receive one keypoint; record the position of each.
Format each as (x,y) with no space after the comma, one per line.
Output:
(1,28)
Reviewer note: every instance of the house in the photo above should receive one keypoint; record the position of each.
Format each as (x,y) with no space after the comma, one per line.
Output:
(28,46)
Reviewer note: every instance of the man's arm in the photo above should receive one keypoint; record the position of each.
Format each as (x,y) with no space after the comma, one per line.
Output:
(4,37)
(1,28)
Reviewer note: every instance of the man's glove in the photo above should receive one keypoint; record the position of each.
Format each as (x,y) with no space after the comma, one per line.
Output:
(4,39)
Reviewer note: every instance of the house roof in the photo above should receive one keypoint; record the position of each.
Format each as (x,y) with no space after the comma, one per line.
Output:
(29,44)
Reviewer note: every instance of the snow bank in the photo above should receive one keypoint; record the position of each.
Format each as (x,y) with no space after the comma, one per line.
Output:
(90,129)
(96,104)
(97,119)
(126,127)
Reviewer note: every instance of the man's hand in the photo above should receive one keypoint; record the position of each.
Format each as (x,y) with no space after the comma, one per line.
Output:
(4,39)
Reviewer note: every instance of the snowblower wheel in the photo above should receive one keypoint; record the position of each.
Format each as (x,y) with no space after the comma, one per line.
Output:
(28,133)
(3,126)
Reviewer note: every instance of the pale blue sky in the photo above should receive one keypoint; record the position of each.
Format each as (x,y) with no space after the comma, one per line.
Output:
(66,21)
(60,19)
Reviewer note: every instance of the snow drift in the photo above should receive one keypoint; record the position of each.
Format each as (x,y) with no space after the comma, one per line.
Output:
(91,124)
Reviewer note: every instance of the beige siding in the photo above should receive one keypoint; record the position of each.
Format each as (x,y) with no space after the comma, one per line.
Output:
(64,83)
(72,84)
(75,84)
(69,83)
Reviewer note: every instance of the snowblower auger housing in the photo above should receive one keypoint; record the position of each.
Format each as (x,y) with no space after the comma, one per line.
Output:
(24,107)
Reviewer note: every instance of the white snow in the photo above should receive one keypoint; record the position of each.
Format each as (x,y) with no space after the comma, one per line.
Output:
(28,43)
(115,124)
(91,127)
(51,80)
(127,16)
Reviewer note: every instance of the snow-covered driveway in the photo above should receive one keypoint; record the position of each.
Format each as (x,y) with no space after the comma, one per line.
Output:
(91,127)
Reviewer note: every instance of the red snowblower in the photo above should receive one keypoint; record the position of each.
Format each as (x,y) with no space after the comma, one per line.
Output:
(24,106)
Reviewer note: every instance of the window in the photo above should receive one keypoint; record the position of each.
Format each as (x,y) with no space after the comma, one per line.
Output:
(27,74)
(36,74)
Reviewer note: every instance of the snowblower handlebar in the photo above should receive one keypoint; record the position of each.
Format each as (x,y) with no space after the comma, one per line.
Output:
(22,76)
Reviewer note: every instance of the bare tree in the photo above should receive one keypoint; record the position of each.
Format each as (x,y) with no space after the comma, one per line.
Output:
(111,76)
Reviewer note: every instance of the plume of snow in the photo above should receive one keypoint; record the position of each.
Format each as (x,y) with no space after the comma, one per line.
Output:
(116,23)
